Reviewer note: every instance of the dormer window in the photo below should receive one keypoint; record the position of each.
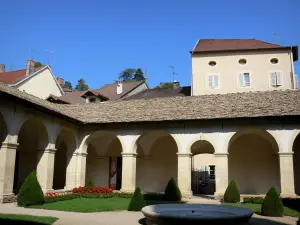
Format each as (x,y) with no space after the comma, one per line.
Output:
(92,100)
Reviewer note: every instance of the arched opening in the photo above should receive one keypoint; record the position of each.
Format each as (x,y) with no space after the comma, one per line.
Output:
(104,160)
(65,147)
(3,129)
(253,161)
(296,156)
(203,168)
(156,161)
(32,139)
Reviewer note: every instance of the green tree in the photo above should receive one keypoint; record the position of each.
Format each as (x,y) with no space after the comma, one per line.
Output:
(38,64)
(30,192)
(127,74)
(81,86)
(232,193)
(272,205)
(68,84)
(137,201)
(165,85)
(139,75)
(172,192)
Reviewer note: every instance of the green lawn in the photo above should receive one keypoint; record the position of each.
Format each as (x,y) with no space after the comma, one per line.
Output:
(87,205)
(257,207)
(25,219)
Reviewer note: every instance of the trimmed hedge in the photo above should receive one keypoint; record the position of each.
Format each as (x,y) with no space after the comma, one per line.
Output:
(154,196)
(50,199)
(172,192)
(272,205)
(253,200)
(292,203)
(91,184)
(30,192)
(232,193)
(137,202)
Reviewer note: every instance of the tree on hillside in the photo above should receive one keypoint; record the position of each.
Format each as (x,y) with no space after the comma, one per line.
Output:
(38,64)
(68,84)
(139,75)
(127,74)
(165,85)
(81,86)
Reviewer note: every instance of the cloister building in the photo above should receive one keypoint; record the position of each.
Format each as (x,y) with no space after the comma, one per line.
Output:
(254,138)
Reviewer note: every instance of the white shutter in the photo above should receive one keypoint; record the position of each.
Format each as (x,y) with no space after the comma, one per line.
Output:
(241,79)
(279,78)
(216,81)
(210,81)
(273,79)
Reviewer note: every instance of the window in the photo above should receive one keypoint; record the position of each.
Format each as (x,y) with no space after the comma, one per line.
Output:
(244,79)
(92,100)
(212,172)
(274,61)
(242,61)
(276,79)
(212,63)
(213,81)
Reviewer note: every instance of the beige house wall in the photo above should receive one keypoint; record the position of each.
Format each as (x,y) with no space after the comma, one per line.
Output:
(41,85)
(202,161)
(228,67)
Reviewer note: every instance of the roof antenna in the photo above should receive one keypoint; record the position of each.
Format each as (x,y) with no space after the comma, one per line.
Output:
(30,53)
(173,73)
(276,37)
(49,55)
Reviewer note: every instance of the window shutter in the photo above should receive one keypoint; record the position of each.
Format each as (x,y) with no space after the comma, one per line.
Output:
(279,78)
(216,81)
(241,79)
(273,79)
(210,81)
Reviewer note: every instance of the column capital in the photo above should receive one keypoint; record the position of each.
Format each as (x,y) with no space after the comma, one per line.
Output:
(83,154)
(221,154)
(188,154)
(129,154)
(50,150)
(285,154)
(9,145)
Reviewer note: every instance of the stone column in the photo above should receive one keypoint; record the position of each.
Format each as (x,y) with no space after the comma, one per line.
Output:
(184,174)
(7,169)
(45,168)
(287,174)
(221,173)
(81,169)
(129,172)
(71,171)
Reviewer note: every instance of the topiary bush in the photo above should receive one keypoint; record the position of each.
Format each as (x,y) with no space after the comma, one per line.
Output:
(272,205)
(172,192)
(30,192)
(232,193)
(91,184)
(137,202)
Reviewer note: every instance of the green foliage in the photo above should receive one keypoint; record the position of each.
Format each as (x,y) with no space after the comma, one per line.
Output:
(293,203)
(91,184)
(154,196)
(139,75)
(172,192)
(127,74)
(49,199)
(30,192)
(232,193)
(272,205)
(38,64)
(137,202)
(68,84)
(81,86)
(253,200)
(165,85)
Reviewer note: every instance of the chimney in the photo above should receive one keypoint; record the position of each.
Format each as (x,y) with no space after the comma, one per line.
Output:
(2,68)
(60,81)
(175,84)
(119,88)
(29,67)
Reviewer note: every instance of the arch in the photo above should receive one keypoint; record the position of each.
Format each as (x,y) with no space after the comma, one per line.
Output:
(3,129)
(253,161)
(203,167)
(65,147)
(156,154)
(32,139)
(104,159)
(296,163)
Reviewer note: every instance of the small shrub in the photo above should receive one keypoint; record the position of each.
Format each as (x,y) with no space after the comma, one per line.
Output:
(253,200)
(172,192)
(137,202)
(91,184)
(30,192)
(232,193)
(57,198)
(272,205)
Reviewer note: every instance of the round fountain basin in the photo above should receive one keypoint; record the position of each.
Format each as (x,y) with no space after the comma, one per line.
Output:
(191,214)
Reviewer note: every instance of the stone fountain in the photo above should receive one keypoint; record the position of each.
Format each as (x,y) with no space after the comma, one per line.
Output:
(192,214)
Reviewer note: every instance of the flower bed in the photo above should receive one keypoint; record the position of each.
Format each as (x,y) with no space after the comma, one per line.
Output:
(92,190)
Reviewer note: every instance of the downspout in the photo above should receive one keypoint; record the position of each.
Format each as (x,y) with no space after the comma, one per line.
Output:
(294,85)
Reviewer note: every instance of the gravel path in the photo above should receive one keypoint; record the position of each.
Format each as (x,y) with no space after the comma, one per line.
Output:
(116,218)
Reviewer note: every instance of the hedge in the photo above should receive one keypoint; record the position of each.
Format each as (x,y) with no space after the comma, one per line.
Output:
(172,192)
(232,193)
(272,205)
(137,202)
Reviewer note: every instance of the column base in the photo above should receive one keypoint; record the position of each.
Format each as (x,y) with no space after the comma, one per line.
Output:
(8,198)
(288,195)
(218,196)
(127,191)
(187,194)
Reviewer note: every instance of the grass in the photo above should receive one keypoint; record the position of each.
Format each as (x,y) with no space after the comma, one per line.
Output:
(87,205)
(256,208)
(25,219)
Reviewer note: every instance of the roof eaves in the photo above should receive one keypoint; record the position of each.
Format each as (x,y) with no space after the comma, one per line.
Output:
(27,77)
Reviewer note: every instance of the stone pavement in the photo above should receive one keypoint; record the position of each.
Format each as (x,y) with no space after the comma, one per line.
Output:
(118,218)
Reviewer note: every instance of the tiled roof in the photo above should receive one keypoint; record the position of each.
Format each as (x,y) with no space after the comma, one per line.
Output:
(12,77)
(226,106)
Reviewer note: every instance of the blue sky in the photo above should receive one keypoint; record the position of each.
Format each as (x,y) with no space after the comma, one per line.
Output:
(95,40)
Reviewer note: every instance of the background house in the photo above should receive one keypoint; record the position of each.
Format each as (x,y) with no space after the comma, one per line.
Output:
(38,81)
